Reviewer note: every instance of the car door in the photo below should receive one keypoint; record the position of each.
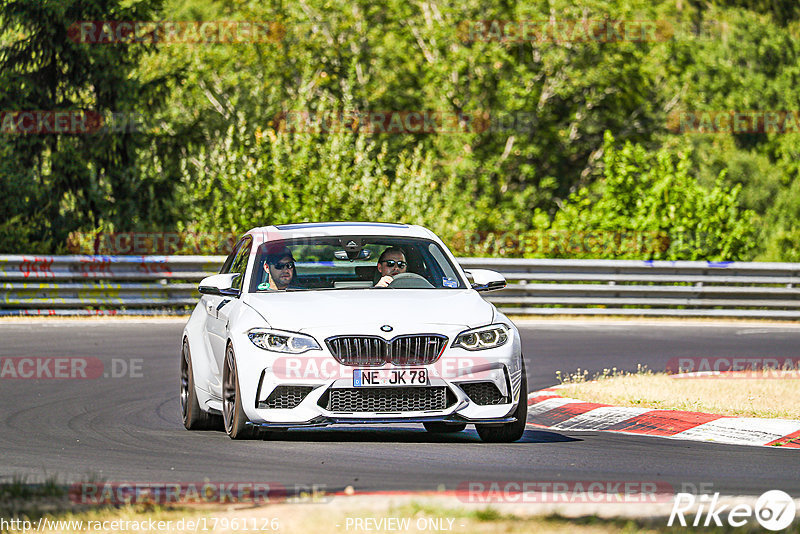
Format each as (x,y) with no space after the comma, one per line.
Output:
(214,329)
(221,309)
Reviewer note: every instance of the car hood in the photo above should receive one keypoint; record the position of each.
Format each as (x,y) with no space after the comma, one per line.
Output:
(303,310)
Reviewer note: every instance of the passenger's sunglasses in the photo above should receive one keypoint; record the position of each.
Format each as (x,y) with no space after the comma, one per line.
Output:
(392,263)
(282,266)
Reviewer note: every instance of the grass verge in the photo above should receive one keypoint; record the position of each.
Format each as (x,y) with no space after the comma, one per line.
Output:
(347,515)
(724,394)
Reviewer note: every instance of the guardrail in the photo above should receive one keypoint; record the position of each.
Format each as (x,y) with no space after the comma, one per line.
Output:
(102,285)
(155,285)
(656,288)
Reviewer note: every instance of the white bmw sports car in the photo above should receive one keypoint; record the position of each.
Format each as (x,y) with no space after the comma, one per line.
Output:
(334,323)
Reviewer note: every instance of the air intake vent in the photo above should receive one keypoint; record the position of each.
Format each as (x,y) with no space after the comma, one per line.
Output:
(416,399)
(373,351)
(286,397)
(484,393)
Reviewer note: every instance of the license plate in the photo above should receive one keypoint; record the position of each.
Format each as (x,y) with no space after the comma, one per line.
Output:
(390,377)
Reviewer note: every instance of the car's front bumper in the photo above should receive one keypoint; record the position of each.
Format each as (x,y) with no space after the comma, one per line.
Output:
(321,421)
(262,373)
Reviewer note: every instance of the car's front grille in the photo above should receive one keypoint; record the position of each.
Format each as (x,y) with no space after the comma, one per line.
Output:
(358,350)
(484,393)
(416,350)
(411,399)
(286,397)
(372,351)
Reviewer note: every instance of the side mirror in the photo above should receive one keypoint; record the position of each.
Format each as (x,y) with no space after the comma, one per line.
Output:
(219,284)
(486,280)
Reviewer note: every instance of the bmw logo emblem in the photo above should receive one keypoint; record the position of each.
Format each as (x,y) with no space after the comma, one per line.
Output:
(387,328)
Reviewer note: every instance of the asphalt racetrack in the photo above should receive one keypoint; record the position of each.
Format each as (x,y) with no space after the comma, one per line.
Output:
(128,428)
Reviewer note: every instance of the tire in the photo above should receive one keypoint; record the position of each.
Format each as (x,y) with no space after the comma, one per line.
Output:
(444,428)
(194,418)
(232,412)
(509,432)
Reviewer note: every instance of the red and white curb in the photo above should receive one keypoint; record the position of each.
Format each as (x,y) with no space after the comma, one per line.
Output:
(547,409)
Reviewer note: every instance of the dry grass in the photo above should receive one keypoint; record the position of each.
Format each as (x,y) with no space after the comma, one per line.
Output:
(723,394)
(337,515)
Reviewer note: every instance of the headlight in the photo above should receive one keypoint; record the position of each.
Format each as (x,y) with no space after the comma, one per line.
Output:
(288,342)
(485,337)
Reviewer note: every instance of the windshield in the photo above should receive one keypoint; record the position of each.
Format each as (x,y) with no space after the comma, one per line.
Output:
(352,262)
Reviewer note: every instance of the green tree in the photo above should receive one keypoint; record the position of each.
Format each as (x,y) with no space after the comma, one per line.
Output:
(655,195)
(280,177)
(211,142)
(60,182)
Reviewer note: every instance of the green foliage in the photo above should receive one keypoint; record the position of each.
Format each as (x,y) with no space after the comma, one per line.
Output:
(58,182)
(783,242)
(215,159)
(278,177)
(654,194)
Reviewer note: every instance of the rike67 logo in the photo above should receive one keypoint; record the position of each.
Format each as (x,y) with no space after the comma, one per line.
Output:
(774,510)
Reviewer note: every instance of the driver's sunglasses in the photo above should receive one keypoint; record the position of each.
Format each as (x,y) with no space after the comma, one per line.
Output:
(392,263)
(282,266)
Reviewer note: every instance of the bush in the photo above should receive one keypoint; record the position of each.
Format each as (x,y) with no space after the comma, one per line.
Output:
(654,194)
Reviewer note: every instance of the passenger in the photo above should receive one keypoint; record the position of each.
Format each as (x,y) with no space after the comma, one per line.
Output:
(280,270)
(391,263)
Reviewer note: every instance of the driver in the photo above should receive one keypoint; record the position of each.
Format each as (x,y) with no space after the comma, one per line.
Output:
(391,263)
(279,266)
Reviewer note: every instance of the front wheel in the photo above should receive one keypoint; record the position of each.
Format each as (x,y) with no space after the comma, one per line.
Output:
(232,412)
(509,432)
(194,418)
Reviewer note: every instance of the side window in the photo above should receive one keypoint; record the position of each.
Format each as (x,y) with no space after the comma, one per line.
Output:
(240,262)
(226,267)
(445,266)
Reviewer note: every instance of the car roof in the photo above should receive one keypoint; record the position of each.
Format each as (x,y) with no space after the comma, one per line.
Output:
(318,229)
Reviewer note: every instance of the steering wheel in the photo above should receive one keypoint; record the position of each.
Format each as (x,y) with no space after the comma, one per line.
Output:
(409,281)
